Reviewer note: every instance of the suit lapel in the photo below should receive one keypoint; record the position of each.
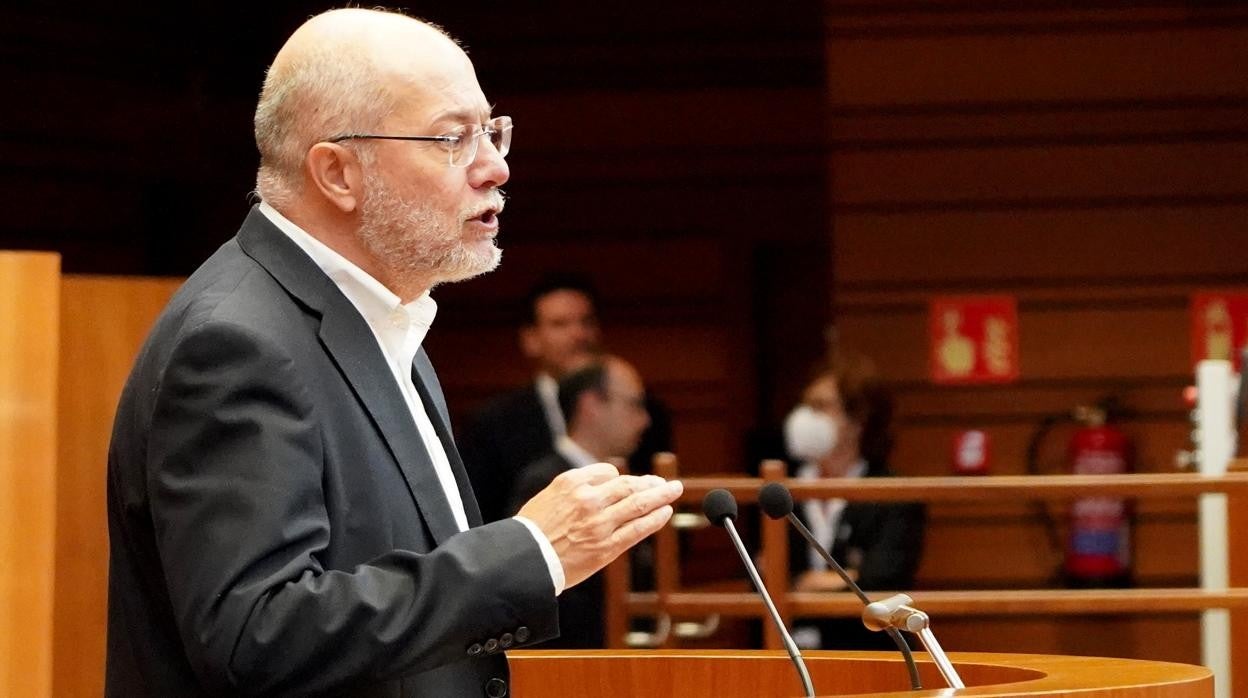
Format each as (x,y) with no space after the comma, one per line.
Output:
(351,345)
(426,381)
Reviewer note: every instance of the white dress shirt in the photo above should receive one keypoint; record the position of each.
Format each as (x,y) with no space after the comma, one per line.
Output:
(824,515)
(399,330)
(548,394)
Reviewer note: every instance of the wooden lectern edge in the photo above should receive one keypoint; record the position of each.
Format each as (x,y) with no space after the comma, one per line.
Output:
(537,672)
(985,602)
(962,489)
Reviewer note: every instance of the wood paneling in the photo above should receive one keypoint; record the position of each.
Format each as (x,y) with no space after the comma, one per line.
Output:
(1050,172)
(1000,54)
(103,322)
(615,674)
(1237,520)
(1150,251)
(1167,638)
(1089,162)
(29,340)
(1059,344)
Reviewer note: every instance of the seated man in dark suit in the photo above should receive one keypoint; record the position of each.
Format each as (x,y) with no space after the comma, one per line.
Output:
(605,404)
(559,335)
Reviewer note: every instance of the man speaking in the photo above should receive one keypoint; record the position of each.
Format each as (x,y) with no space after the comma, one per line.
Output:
(287,510)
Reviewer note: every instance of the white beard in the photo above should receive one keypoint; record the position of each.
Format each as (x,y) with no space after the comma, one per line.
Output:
(414,241)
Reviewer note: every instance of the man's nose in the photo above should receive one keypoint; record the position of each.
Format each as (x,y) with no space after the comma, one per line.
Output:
(489,169)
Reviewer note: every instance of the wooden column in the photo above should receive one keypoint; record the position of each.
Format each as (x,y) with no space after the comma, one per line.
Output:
(666,549)
(29,343)
(1237,544)
(103,322)
(775,537)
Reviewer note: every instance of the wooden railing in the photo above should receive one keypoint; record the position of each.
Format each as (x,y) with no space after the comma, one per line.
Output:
(669,600)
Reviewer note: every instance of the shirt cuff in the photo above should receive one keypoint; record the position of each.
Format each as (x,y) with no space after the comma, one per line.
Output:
(553,565)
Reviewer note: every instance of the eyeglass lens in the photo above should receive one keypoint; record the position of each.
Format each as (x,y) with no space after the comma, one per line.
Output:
(499,132)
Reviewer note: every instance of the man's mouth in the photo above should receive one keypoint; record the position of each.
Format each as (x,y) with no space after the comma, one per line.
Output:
(489,215)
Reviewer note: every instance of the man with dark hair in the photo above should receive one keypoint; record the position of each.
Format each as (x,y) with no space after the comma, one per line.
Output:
(560,334)
(606,413)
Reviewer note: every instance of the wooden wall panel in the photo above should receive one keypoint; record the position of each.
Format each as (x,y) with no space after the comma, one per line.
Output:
(1022,176)
(1060,344)
(1041,252)
(1087,161)
(1002,549)
(103,322)
(1036,124)
(927,446)
(1003,55)
(1028,402)
(1167,638)
(659,123)
(29,340)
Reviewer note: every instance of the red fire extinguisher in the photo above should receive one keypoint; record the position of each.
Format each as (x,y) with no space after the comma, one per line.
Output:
(1098,545)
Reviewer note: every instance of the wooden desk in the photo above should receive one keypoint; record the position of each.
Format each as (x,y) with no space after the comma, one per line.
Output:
(757,674)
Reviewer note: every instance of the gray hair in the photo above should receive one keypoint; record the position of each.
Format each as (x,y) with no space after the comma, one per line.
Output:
(319,94)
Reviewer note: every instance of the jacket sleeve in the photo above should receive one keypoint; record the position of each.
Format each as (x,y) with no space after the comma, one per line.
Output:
(891,558)
(234,476)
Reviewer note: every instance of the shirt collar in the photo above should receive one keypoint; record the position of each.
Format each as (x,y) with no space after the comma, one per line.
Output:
(401,327)
(548,395)
(547,386)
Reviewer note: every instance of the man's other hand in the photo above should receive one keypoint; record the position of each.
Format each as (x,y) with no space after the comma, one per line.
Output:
(593,514)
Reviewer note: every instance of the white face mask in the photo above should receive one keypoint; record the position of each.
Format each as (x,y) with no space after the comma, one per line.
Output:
(810,435)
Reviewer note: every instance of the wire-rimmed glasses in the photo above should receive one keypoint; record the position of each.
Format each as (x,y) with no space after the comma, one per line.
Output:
(460,144)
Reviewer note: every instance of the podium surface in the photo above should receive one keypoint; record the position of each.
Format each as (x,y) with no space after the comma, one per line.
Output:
(727,674)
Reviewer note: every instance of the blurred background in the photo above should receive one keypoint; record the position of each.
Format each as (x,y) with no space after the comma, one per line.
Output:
(742,181)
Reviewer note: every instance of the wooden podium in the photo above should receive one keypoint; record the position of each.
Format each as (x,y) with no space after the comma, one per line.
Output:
(764,673)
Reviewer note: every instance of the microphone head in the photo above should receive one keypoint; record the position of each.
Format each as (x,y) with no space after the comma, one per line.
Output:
(775,500)
(719,505)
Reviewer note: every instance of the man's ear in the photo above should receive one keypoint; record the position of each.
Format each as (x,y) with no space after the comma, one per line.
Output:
(529,343)
(589,405)
(336,173)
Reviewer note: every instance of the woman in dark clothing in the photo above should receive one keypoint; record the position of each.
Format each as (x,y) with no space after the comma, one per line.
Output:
(841,429)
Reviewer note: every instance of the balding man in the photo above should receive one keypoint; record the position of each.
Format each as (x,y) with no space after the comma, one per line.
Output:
(287,510)
(605,404)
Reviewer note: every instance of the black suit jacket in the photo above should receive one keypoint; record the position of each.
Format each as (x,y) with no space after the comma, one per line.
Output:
(884,538)
(276,526)
(511,432)
(883,541)
(582,608)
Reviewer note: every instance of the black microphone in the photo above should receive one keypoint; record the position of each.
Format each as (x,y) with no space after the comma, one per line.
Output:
(777,502)
(721,508)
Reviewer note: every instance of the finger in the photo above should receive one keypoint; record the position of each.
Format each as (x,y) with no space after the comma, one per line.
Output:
(642,503)
(592,474)
(625,486)
(639,528)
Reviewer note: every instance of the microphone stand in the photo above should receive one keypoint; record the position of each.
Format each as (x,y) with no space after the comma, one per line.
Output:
(776,502)
(896,612)
(791,646)
(892,632)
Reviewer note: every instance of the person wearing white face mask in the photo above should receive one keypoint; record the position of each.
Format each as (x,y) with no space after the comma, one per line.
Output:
(841,429)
